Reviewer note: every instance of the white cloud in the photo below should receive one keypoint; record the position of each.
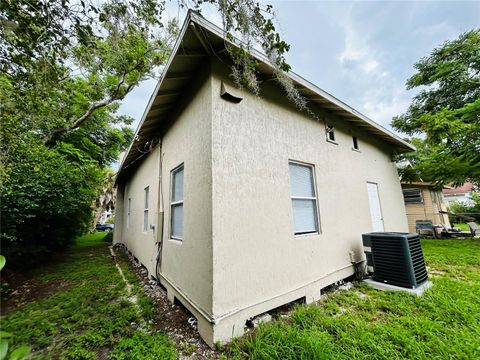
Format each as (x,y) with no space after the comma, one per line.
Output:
(357,54)
(381,108)
(377,92)
(370,65)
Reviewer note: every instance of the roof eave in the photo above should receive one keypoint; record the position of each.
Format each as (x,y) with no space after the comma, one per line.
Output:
(400,145)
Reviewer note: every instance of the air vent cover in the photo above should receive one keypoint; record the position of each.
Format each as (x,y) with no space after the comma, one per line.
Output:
(397,258)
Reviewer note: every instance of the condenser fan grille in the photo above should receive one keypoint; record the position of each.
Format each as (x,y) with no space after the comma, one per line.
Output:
(397,258)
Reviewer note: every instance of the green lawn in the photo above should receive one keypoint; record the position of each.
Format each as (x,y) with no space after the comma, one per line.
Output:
(84,313)
(462,226)
(366,324)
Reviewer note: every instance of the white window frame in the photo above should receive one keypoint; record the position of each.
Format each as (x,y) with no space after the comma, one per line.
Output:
(145,208)
(330,130)
(129,209)
(176,203)
(315,199)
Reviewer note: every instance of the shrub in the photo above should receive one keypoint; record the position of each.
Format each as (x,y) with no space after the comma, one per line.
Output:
(46,201)
(108,237)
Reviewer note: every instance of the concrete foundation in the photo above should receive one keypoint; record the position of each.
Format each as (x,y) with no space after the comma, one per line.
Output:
(388,287)
(222,328)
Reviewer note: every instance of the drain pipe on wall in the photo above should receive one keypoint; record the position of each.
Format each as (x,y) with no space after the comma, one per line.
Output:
(160,217)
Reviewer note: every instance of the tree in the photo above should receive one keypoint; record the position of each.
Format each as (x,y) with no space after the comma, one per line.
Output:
(64,68)
(446,112)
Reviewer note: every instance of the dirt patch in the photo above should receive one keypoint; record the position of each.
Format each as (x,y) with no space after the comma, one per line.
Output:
(102,353)
(172,319)
(29,291)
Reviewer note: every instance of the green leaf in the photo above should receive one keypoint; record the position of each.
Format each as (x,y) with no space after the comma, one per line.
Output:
(3,349)
(20,353)
(2,261)
(4,335)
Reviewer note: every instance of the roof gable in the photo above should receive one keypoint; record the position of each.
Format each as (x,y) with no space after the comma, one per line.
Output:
(198,39)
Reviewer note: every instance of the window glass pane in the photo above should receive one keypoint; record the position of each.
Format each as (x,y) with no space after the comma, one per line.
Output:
(304,216)
(177,220)
(146,197)
(301,181)
(177,190)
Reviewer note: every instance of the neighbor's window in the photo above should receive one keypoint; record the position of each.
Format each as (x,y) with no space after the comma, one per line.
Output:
(145,210)
(330,133)
(304,199)
(176,204)
(129,207)
(412,196)
(355,142)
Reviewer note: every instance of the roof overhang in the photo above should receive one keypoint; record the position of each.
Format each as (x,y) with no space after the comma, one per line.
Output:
(199,39)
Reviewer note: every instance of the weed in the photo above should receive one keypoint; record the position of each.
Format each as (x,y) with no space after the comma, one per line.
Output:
(142,346)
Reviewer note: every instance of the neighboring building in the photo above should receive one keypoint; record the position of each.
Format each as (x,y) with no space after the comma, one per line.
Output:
(462,194)
(424,202)
(239,203)
(105,216)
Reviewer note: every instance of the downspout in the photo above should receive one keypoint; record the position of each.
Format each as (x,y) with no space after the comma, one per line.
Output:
(160,217)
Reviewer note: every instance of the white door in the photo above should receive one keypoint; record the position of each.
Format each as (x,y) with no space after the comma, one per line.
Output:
(375,209)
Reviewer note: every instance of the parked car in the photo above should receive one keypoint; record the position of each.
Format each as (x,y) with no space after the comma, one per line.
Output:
(104,227)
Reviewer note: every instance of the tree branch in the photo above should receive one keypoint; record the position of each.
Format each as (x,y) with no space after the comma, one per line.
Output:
(116,95)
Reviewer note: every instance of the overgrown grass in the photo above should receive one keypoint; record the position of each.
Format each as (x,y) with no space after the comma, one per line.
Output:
(363,323)
(89,316)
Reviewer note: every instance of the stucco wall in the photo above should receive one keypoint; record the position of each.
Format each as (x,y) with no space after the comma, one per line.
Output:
(256,255)
(188,263)
(140,243)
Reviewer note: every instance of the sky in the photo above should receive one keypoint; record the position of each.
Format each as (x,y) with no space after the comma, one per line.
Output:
(361,52)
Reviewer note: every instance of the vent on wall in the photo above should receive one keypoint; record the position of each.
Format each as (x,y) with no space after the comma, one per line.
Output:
(397,258)
(227,94)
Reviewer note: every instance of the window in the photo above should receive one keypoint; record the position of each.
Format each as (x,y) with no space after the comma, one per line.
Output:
(304,200)
(412,196)
(330,133)
(129,207)
(145,211)
(355,142)
(176,204)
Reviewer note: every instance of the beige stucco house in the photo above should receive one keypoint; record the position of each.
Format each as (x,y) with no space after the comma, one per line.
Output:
(239,203)
(423,201)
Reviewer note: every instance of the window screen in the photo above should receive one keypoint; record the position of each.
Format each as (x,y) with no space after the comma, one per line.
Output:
(304,201)
(412,196)
(176,205)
